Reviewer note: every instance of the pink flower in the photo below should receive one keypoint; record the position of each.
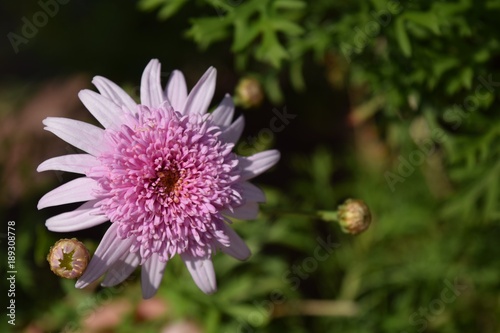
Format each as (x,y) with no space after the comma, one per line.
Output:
(162,172)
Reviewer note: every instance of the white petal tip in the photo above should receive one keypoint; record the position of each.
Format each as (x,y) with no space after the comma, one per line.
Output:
(237,248)
(148,294)
(202,272)
(208,287)
(43,203)
(243,255)
(47,120)
(210,291)
(83,92)
(81,284)
(275,156)
(97,78)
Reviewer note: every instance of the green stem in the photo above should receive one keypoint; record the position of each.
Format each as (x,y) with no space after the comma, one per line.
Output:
(329,216)
(277,211)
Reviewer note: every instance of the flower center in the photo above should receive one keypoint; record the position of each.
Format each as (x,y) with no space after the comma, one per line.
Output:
(167,180)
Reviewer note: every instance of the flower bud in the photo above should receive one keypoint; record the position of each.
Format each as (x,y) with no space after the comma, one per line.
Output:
(354,216)
(68,258)
(249,92)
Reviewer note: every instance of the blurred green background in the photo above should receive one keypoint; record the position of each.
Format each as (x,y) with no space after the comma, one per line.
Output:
(392,102)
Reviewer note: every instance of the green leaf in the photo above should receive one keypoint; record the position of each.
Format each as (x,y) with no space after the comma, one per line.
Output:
(271,51)
(168,7)
(287,27)
(453,86)
(492,4)
(206,31)
(242,312)
(243,35)
(149,5)
(402,37)
(289,4)
(466,77)
(171,9)
(441,65)
(212,320)
(482,55)
(272,86)
(296,76)
(425,19)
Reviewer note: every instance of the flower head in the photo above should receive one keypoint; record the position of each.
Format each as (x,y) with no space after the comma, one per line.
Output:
(163,173)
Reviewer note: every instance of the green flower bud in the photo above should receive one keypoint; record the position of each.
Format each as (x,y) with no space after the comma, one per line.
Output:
(68,258)
(354,216)
(249,92)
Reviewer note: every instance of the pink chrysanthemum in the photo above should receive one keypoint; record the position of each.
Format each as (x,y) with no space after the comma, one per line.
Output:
(162,172)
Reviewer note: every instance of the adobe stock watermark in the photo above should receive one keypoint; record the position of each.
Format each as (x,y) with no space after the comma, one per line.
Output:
(416,158)
(254,144)
(436,307)
(292,277)
(454,117)
(484,89)
(371,29)
(38,20)
(11,273)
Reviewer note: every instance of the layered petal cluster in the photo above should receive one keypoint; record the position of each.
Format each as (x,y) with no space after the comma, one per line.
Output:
(162,172)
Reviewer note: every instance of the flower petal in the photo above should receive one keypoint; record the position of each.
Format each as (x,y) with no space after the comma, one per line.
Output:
(233,132)
(121,269)
(80,189)
(104,110)
(251,192)
(151,275)
(202,271)
(116,94)
(176,91)
(85,216)
(254,165)
(84,136)
(107,253)
(237,247)
(77,163)
(223,114)
(151,92)
(248,211)
(200,96)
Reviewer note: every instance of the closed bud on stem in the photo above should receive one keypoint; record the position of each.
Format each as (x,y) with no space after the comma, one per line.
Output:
(354,216)
(68,258)
(249,93)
